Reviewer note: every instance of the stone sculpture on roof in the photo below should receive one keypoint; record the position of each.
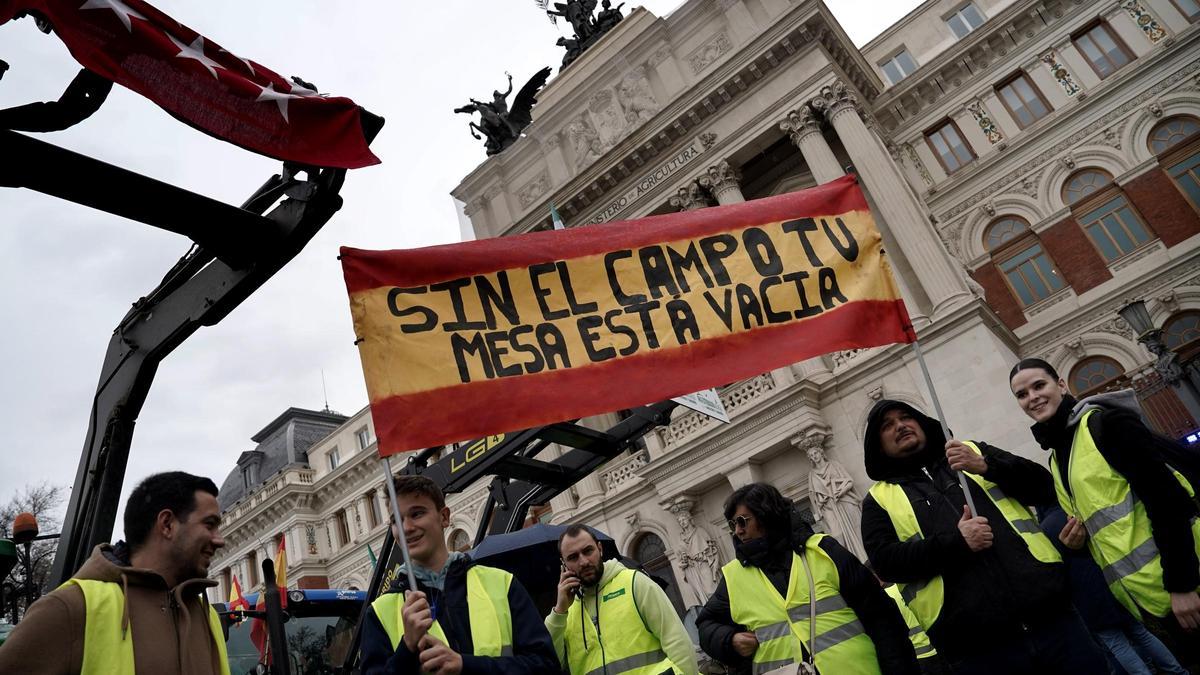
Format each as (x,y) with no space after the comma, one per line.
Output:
(500,124)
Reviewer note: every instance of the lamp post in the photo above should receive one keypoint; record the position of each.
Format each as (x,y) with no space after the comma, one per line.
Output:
(25,532)
(1185,381)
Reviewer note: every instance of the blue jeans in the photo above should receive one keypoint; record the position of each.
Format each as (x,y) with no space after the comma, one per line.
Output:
(1136,649)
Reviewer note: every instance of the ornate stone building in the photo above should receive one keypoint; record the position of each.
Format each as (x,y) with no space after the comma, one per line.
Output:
(1032,165)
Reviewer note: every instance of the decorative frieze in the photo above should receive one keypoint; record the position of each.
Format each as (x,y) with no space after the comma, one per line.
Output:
(985,122)
(709,52)
(636,97)
(1060,73)
(1145,20)
(533,190)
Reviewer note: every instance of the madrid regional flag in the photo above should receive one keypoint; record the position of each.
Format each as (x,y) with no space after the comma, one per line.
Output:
(490,336)
(235,99)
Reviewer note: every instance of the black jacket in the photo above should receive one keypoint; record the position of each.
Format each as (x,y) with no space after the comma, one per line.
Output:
(995,592)
(1140,455)
(861,591)
(533,653)
(1089,590)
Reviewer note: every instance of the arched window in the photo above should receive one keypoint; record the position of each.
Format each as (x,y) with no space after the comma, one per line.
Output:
(1096,374)
(651,552)
(1181,333)
(1101,209)
(1018,254)
(459,541)
(1176,141)
(1171,132)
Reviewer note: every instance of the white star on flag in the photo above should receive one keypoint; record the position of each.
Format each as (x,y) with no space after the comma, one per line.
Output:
(122,11)
(195,51)
(268,93)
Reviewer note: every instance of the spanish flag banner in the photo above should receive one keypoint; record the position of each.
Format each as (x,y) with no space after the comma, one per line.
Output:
(483,337)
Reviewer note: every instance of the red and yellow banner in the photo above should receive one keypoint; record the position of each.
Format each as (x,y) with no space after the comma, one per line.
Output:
(466,340)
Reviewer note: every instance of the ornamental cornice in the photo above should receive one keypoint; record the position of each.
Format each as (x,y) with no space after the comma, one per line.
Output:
(1039,161)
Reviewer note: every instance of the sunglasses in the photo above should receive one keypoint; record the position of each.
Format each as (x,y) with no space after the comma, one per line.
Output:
(739,521)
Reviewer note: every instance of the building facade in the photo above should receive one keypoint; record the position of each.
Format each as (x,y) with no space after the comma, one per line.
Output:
(1032,165)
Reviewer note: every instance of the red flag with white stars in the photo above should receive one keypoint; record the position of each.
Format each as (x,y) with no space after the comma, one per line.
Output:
(235,99)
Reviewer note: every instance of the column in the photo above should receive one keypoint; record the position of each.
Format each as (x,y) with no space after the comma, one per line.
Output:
(689,197)
(941,279)
(804,128)
(724,183)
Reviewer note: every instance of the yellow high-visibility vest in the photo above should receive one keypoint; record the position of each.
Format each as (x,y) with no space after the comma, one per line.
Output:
(916,635)
(1119,535)
(781,624)
(925,597)
(623,645)
(487,603)
(107,646)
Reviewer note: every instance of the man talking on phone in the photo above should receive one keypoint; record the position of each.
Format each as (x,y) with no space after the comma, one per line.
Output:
(612,620)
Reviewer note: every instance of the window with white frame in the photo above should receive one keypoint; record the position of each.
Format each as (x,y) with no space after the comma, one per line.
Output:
(966,19)
(335,459)
(899,66)
(364,438)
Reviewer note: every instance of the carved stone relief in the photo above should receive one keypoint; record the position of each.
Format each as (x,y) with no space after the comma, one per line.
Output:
(585,142)
(533,189)
(636,97)
(710,51)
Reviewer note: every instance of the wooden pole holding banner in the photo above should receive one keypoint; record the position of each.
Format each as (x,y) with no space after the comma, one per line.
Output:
(391,488)
(937,408)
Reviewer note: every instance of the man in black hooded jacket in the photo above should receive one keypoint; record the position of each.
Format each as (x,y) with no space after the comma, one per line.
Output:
(1003,610)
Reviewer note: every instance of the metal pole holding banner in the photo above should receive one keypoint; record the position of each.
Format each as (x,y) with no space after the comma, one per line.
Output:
(391,488)
(937,408)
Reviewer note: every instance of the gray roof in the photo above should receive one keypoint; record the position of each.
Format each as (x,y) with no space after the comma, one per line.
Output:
(283,442)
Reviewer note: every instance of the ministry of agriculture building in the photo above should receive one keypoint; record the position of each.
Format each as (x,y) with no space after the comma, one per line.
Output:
(1032,165)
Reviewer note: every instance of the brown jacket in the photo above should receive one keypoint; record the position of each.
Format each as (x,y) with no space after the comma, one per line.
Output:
(170,625)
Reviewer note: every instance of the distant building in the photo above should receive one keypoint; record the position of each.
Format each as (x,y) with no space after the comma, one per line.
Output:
(1032,164)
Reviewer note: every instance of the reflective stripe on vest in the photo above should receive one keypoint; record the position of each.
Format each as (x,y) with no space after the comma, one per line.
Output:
(107,646)
(487,604)
(925,597)
(1119,535)
(916,634)
(782,624)
(623,644)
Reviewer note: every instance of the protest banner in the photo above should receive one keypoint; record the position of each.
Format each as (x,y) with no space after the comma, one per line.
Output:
(466,340)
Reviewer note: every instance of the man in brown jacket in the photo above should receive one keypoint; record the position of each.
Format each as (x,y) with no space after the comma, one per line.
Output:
(151,588)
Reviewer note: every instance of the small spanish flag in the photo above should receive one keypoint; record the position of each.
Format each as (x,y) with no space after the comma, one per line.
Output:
(236,601)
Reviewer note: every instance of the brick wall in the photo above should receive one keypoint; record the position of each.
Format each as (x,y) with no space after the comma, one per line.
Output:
(1074,255)
(998,295)
(1161,205)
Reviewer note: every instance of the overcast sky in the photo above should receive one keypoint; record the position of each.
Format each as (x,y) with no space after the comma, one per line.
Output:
(69,273)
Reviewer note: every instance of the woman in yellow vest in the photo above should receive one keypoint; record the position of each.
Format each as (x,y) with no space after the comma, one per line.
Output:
(1136,515)
(793,598)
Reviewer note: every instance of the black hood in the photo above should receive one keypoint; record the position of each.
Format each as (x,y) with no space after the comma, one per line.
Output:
(881,467)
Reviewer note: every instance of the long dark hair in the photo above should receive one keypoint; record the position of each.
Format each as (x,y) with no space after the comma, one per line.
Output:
(1027,364)
(766,503)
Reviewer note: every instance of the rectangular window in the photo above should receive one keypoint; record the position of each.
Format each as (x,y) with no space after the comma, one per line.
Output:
(252,571)
(1023,100)
(334,459)
(1114,229)
(948,144)
(373,513)
(1031,275)
(899,66)
(965,20)
(343,528)
(1186,175)
(1102,49)
(364,438)
(1188,8)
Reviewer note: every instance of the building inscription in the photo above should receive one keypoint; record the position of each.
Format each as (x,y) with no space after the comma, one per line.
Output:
(646,183)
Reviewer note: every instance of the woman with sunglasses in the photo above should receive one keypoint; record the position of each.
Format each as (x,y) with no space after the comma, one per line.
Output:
(795,599)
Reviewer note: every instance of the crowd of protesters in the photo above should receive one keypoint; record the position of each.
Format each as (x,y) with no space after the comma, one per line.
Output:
(979,561)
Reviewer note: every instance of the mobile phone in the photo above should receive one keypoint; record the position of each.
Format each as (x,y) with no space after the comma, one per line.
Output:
(578,590)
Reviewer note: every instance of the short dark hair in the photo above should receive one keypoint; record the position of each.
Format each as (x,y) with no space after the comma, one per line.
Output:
(421,486)
(766,503)
(573,530)
(1031,363)
(173,490)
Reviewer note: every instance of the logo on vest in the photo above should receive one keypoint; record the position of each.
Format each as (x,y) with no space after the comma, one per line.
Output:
(614,594)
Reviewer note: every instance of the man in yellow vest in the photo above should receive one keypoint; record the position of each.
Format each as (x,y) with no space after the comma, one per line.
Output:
(462,618)
(798,600)
(612,620)
(1136,515)
(137,606)
(989,590)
